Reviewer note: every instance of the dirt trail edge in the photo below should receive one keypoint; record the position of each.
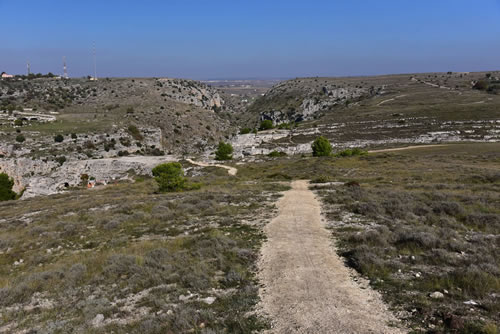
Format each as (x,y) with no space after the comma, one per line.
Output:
(231,170)
(306,286)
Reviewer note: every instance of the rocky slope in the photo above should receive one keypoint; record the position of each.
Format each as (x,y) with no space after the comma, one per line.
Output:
(308,98)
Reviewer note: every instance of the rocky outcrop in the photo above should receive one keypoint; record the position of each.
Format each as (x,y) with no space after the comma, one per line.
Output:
(305,99)
(39,177)
(265,142)
(191,92)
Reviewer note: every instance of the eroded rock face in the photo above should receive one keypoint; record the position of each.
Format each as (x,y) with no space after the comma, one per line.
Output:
(39,177)
(289,103)
(190,92)
(265,142)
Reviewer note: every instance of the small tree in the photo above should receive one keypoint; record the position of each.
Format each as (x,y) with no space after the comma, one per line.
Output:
(169,176)
(266,125)
(321,147)
(224,151)
(6,184)
(59,138)
(481,85)
(20,138)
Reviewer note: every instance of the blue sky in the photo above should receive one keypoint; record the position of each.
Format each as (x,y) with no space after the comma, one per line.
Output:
(254,38)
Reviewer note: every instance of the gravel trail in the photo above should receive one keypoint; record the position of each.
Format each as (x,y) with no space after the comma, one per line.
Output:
(306,286)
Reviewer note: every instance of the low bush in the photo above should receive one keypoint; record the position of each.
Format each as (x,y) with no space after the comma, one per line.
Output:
(350,152)
(321,147)
(245,131)
(276,154)
(170,177)
(20,138)
(6,184)
(59,138)
(224,151)
(134,132)
(266,125)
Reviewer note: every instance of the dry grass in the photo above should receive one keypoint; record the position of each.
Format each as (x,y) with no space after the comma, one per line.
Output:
(143,260)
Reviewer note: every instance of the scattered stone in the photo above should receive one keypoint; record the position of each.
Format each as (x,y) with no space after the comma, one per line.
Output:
(97,321)
(183,298)
(471,302)
(209,300)
(436,295)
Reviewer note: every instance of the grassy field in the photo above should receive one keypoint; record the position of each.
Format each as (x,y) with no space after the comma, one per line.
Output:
(125,259)
(422,225)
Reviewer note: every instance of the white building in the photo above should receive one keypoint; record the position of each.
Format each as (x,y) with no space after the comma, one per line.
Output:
(5,75)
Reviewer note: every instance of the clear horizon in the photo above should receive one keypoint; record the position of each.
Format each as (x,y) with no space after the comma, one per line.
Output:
(236,40)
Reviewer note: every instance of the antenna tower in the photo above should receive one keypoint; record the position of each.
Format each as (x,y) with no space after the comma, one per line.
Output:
(65,68)
(28,67)
(95,64)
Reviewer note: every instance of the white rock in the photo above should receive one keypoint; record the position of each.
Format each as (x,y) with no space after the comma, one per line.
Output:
(97,321)
(209,300)
(183,298)
(471,302)
(436,295)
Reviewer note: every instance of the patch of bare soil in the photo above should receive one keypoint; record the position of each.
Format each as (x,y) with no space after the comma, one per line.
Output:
(230,170)
(404,148)
(306,286)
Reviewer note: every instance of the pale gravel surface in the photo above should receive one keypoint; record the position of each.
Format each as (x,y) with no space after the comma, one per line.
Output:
(405,148)
(306,286)
(231,170)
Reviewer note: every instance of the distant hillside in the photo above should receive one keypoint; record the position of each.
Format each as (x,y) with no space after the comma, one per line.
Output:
(186,112)
(376,111)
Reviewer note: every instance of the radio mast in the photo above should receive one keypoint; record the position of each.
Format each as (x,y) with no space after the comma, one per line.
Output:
(65,68)
(28,67)
(95,63)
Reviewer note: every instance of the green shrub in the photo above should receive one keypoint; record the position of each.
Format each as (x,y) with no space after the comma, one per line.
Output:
(170,177)
(266,125)
(134,132)
(286,126)
(321,147)
(61,160)
(6,185)
(276,154)
(74,136)
(59,138)
(18,122)
(244,131)
(224,151)
(481,85)
(321,179)
(20,138)
(350,152)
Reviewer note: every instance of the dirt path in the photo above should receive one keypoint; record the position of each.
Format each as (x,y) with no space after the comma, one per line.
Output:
(393,99)
(231,170)
(307,288)
(405,148)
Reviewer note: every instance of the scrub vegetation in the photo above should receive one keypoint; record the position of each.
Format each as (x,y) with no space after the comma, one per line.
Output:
(126,259)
